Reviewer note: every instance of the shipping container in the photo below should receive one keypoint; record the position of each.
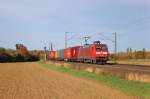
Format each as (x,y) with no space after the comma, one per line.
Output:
(56,55)
(67,54)
(60,54)
(52,55)
(74,53)
(71,54)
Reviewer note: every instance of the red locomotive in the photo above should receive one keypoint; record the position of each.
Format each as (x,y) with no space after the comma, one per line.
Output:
(92,53)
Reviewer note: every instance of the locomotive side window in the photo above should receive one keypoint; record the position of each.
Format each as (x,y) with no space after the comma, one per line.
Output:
(101,48)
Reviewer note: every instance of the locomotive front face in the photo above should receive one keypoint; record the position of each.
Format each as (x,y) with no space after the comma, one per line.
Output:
(101,53)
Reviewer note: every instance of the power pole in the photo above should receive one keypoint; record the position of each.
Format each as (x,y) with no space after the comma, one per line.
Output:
(45,55)
(51,47)
(115,47)
(66,39)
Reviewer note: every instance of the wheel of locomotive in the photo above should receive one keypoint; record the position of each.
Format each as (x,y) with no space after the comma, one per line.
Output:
(102,62)
(94,62)
(91,61)
(84,60)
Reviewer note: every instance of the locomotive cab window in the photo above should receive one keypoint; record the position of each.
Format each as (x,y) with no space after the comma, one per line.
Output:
(101,47)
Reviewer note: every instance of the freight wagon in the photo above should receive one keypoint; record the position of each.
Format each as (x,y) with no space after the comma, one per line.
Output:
(71,54)
(74,53)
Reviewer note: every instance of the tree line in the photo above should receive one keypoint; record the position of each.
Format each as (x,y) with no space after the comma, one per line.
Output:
(130,54)
(11,55)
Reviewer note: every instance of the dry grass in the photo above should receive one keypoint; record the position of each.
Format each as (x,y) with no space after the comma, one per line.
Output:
(138,77)
(145,62)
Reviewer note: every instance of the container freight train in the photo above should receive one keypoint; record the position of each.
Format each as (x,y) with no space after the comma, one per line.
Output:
(89,53)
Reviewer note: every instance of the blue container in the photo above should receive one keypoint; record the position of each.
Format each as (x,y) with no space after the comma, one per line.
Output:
(60,54)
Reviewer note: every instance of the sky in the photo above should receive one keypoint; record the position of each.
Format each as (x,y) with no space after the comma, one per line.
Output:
(37,23)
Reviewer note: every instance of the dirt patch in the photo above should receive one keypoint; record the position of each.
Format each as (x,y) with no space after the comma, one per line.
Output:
(32,81)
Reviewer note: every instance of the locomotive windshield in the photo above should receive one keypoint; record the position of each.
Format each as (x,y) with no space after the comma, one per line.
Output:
(101,48)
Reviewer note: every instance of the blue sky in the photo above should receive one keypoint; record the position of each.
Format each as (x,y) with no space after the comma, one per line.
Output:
(36,23)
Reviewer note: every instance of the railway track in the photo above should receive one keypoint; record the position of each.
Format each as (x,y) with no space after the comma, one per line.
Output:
(128,67)
(116,67)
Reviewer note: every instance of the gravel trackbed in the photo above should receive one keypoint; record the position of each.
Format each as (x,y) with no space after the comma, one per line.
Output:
(32,81)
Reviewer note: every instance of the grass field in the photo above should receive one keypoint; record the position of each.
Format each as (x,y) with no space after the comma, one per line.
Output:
(135,88)
(30,80)
(133,62)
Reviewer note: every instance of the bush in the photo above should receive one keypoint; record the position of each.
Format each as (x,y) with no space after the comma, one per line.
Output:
(9,55)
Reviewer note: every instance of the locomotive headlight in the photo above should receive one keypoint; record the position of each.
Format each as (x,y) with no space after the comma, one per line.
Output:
(101,53)
(104,52)
(98,52)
